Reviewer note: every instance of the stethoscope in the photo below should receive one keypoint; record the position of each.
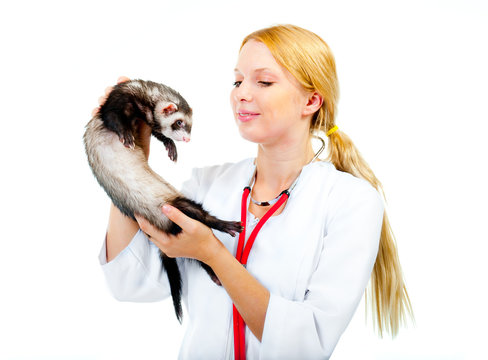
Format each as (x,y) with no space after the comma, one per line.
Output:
(242,253)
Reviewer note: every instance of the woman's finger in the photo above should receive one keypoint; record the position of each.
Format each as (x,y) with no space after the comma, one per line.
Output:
(108,90)
(122,79)
(102,99)
(186,223)
(144,225)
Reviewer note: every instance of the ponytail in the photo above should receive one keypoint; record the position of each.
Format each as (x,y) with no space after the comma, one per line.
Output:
(387,293)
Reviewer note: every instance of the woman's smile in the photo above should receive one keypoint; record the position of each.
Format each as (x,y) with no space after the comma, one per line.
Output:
(245,116)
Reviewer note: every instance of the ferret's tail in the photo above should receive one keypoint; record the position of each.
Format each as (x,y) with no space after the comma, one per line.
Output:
(174,278)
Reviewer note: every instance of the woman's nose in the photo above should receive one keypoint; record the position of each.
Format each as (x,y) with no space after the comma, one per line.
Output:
(243,92)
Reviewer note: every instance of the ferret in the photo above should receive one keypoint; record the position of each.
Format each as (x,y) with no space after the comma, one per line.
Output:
(121,168)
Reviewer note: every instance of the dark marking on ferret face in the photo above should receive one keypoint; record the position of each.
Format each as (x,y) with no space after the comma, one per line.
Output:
(188,128)
(177,125)
(181,125)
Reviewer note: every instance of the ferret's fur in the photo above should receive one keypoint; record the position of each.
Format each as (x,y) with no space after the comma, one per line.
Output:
(120,166)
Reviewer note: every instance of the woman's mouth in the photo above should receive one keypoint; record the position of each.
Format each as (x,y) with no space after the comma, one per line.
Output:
(245,116)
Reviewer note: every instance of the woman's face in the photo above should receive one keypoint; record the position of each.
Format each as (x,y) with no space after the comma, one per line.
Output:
(269,104)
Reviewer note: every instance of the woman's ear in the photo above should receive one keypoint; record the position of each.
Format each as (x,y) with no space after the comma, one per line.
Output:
(314,103)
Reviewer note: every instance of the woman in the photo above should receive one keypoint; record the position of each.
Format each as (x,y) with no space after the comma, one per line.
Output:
(311,260)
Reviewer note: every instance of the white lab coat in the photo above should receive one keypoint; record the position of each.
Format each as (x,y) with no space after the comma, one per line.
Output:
(315,258)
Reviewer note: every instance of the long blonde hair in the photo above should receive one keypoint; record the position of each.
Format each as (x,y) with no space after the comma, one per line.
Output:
(309,59)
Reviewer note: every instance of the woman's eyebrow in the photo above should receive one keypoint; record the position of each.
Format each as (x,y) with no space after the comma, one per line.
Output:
(236,70)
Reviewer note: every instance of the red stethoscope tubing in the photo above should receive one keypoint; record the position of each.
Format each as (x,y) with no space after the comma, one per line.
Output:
(242,255)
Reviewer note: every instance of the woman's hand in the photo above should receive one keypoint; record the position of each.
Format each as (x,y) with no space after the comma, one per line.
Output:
(196,240)
(143,130)
(108,90)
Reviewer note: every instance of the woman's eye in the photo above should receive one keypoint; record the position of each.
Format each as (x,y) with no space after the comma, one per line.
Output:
(261,83)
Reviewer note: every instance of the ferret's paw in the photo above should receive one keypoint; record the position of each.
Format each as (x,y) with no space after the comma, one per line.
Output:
(128,141)
(211,273)
(171,148)
(215,279)
(231,227)
(173,155)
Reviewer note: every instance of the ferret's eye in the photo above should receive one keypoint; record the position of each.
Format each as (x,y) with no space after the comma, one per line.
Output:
(179,123)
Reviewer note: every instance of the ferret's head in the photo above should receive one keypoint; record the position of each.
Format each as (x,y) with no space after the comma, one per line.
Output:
(174,120)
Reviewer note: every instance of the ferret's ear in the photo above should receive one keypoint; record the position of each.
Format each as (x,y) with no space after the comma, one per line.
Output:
(169,109)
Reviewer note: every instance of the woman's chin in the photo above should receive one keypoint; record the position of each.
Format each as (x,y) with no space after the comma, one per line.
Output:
(251,136)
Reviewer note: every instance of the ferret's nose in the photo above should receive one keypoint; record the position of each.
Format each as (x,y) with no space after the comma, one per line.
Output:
(186,139)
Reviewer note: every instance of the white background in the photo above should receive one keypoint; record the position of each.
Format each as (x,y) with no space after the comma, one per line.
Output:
(414,94)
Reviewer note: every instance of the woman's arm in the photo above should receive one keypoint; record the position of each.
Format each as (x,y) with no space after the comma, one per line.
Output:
(198,242)
(120,231)
(249,296)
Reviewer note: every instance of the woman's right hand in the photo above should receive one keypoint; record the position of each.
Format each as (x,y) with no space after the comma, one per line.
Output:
(143,130)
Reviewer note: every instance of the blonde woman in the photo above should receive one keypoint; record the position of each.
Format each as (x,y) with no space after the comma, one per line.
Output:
(315,246)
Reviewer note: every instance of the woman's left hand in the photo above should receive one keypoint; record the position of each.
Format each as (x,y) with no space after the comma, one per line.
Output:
(196,240)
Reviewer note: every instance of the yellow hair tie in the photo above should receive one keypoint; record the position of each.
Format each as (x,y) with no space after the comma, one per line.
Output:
(332,130)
